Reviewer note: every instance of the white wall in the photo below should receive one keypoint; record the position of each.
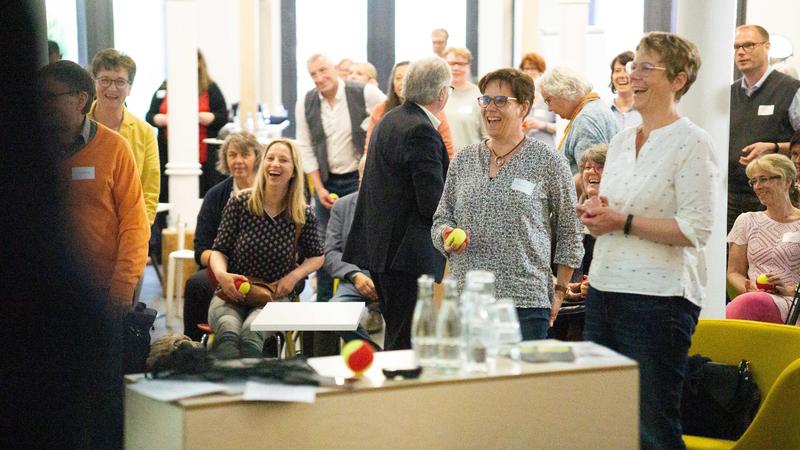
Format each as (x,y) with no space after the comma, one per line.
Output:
(778,17)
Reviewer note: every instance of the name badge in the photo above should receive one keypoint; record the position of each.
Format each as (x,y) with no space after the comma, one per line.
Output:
(539,113)
(82,173)
(524,186)
(465,110)
(766,110)
(791,237)
(161,93)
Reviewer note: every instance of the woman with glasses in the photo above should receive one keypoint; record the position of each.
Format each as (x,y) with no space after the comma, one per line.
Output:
(461,111)
(622,106)
(652,222)
(113,74)
(507,193)
(766,244)
(394,98)
(590,120)
(540,123)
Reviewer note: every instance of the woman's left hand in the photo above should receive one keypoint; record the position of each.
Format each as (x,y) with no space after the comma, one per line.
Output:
(599,218)
(286,285)
(205,118)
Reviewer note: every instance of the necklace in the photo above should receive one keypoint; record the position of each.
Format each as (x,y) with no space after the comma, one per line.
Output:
(499,160)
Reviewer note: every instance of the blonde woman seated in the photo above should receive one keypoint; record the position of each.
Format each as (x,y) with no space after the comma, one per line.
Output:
(766,243)
(256,238)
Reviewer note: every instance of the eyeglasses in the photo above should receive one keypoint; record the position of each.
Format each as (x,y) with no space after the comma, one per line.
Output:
(762,180)
(644,69)
(54,95)
(456,63)
(747,46)
(499,101)
(106,82)
(450,89)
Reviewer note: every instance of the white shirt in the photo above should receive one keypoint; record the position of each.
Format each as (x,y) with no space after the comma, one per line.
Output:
(338,132)
(464,116)
(434,120)
(674,176)
(794,107)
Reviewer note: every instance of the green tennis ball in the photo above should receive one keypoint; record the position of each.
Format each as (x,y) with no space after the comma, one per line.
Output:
(334,196)
(358,355)
(243,286)
(456,238)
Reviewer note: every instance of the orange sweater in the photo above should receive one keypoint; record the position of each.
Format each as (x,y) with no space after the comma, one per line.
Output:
(104,197)
(444,128)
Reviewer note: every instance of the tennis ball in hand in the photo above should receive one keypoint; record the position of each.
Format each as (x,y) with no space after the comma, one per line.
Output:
(243,286)
(455,238)
(334,196)
(358,355)
(762,282)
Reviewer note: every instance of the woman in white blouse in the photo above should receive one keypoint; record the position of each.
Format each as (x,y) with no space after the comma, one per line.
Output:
(652,223)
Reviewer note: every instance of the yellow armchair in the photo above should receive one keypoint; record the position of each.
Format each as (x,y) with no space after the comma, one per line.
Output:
(774,354)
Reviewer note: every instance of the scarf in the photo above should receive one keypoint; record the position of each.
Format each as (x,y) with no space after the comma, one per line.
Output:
(590,97)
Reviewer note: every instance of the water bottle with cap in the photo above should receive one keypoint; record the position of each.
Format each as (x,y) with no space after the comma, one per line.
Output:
(423,325)
(449,334)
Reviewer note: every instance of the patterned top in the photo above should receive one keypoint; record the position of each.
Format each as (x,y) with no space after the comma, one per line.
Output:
(772,247)
(509,219)
(675,176)
(263,247)
(595,124)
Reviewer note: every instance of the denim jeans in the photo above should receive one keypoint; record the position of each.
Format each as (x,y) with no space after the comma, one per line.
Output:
(341,185)
(656,332)
(347,292)
(533,322)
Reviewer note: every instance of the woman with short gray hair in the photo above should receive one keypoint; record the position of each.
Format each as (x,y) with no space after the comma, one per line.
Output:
(569,95)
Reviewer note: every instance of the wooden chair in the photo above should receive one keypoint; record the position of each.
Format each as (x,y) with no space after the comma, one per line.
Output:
(774,354)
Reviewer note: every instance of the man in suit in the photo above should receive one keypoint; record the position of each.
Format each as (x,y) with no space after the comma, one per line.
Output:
(402,184)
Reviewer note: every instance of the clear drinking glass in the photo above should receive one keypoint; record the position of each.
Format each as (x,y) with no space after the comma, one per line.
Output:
(506,334)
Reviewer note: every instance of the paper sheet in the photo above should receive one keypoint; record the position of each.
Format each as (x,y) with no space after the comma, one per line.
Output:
(258,391)
(170,390)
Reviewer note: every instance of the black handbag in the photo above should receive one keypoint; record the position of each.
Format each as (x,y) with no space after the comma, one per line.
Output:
(719,400)
(137,324)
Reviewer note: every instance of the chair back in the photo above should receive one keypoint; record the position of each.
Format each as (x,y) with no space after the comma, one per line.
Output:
(769,347)
(776,424)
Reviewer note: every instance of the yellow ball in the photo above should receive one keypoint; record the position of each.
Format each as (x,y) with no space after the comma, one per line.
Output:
(456,238)
(762,279)
(334,196)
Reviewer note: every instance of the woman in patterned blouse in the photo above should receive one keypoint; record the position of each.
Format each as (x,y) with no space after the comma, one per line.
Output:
(256,238)
(505,193)
(766,242)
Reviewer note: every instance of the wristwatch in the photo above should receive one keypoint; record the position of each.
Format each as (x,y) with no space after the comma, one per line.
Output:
(777,147)
(560,287)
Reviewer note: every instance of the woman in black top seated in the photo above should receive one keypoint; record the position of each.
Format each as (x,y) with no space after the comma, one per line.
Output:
(238,157)
(258,238)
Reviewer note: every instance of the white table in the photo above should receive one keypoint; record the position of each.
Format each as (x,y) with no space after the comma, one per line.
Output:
(590,403)
(265,135)
(308,316)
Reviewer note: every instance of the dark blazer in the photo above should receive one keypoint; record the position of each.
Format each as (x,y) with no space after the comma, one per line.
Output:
(210,215)
(403,181)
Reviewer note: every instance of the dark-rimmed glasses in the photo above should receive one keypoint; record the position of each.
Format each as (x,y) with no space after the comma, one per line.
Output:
(106,82)
(762,180)
(747,46)
(498,100)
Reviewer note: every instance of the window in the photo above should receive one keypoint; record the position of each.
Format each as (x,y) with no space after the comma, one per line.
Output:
(336,29)
(413,29)
(62,26)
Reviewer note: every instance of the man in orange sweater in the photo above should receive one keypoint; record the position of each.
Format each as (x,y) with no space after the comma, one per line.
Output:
(103,191)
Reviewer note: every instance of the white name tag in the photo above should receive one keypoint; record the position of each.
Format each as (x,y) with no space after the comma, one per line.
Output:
(792,236)
(161,93)
(465,110)
(539,113)
(82,173)
(766,110)
(523,186)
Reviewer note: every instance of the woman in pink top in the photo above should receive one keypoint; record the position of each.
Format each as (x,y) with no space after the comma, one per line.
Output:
(768,243)
(394,97)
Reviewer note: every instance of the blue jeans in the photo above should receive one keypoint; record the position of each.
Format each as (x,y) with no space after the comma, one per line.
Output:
(347,292)
(656,332)
(341,185)
(533,322)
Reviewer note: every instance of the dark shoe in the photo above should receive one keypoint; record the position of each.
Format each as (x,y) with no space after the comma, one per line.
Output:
(226,347)
(374,322)
(251,351)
